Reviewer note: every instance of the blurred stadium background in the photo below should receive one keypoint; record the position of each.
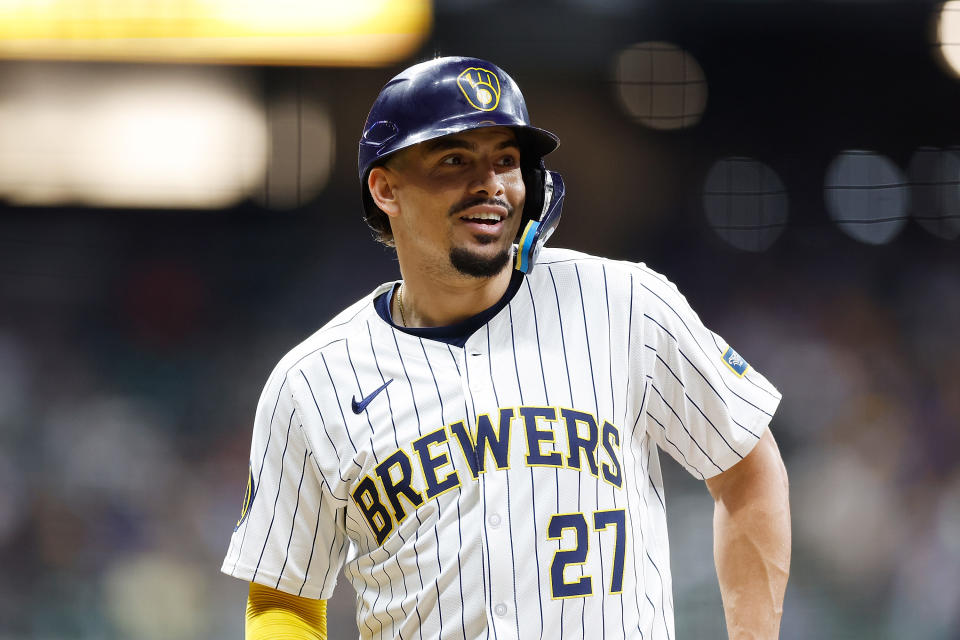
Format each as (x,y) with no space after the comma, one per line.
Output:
(179,206)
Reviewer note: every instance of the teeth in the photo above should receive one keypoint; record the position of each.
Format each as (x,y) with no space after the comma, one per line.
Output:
(485,216)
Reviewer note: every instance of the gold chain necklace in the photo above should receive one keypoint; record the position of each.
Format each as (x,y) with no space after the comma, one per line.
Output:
(403,318)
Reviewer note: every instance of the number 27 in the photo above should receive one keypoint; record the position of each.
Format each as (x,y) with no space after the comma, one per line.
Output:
(578,555)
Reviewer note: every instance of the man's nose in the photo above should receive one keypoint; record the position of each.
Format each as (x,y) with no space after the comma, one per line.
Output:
(488,181)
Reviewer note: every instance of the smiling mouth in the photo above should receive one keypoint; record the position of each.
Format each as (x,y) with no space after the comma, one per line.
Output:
(483,218)
(483,212)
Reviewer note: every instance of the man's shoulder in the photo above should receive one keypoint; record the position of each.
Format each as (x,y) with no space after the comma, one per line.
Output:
(560,256)
(556,259)
(349,322)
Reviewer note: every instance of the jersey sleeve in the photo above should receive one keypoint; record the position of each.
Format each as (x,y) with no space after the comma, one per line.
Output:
(290,535)
(704,404)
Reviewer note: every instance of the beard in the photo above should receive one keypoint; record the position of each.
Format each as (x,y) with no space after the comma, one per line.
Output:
(471,264)
(475,265)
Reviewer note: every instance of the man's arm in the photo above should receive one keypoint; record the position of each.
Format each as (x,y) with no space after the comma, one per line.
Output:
(751,541)
(275,615)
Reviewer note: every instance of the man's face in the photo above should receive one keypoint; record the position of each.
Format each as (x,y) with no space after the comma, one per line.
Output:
(460,199)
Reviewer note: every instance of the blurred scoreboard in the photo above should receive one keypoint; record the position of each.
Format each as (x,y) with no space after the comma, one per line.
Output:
(283,32)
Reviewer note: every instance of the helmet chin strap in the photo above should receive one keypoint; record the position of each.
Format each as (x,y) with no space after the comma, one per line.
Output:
(537,232)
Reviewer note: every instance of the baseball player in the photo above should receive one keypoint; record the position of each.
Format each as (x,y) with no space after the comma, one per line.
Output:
(476,445)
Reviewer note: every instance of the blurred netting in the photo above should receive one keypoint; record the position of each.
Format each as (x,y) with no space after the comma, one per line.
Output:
(303,147)
(745,202)
(661,85)
(935,190)
(867,196)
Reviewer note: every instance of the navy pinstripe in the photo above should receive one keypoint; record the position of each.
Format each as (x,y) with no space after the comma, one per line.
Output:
(680,422)
(485,563)
(286,555)
(533,495)
(413,402)
(566,366)
(704,353)
(596,408)
(316,530)
(313,397)
(383,380)
(260,472)
(435,532)
(343,418)
(639,530)
(695,405)
(493,386)
(466,414)
(275,500)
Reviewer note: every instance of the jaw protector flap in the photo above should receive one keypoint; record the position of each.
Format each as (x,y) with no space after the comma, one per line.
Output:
(548,185)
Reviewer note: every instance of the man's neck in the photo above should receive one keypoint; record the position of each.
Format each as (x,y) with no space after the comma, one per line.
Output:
(430,301)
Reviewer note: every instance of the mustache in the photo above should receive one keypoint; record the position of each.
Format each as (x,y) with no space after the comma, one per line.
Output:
(472,202)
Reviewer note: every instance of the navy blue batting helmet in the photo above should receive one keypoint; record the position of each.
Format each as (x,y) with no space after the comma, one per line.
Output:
(451,95)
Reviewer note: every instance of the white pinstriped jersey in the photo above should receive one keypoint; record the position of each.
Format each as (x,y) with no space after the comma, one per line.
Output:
(507,489)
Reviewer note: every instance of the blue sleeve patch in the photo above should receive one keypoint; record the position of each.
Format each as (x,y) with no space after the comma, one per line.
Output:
(735,361)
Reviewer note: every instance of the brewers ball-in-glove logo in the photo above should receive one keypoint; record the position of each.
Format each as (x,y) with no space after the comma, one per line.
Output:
(481,88)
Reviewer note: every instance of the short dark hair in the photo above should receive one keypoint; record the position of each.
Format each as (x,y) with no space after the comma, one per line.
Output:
(379,224)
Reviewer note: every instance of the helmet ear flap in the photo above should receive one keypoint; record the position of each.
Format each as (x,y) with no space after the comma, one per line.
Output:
(533,180)
(539,226)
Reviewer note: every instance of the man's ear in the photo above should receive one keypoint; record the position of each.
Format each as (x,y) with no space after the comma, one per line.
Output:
(381,183)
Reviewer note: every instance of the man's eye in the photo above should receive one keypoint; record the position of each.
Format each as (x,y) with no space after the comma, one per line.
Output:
(452,160)
(509,161)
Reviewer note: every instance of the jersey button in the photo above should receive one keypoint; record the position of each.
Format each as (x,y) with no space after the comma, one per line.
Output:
(494,520)
(500,610)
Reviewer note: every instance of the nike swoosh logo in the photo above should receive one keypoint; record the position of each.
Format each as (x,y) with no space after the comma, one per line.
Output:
(358,407)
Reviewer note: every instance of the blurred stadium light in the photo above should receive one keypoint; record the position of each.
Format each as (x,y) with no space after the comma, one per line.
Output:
(314,32)
(130,136)
(867,196)
(948,34)
(661,85)
(935,190)
(745,202)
